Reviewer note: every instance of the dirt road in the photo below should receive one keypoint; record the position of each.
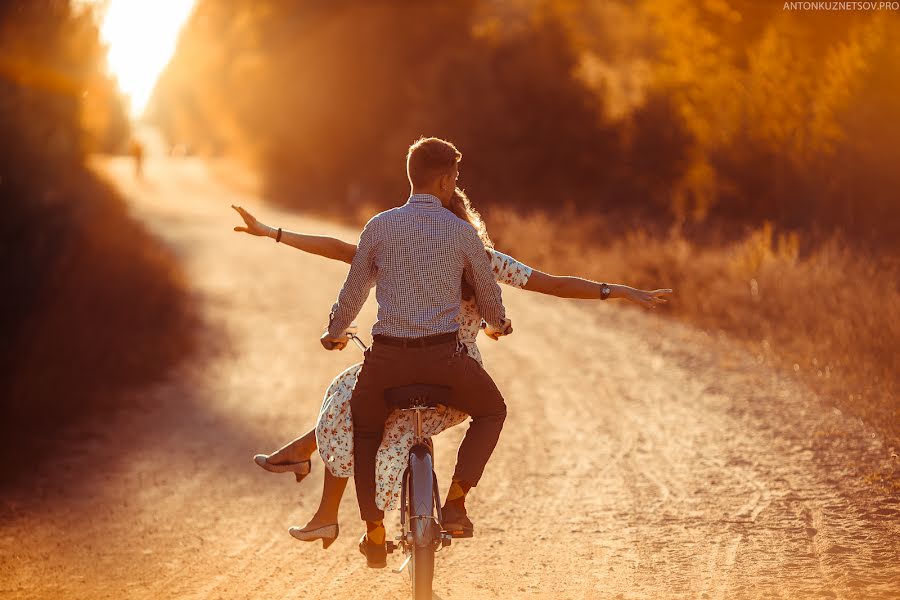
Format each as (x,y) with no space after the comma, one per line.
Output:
(640,459)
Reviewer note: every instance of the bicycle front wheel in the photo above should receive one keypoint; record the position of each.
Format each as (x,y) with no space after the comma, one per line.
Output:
(421,572)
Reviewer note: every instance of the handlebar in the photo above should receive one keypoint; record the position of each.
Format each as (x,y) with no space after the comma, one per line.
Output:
(351,332)
(330,344)
(362,346)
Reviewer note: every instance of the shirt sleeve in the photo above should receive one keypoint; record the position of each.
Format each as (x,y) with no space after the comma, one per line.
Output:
(479,272)
(359,282)
(508,270)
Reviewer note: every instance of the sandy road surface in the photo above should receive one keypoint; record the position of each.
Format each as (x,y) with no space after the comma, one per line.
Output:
(641,460)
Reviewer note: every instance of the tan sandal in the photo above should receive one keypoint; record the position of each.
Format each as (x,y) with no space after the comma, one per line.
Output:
(299,469)
(326,533)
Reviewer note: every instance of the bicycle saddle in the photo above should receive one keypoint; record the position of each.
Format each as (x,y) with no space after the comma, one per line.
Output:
(417,394)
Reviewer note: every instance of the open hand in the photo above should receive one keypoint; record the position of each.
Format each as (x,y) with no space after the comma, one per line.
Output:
(253,227)
(649,299)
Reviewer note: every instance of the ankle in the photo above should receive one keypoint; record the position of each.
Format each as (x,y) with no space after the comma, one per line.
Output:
(321,520)
(456,502)
(456,495)
(325,517)
(375,532)
(291,455)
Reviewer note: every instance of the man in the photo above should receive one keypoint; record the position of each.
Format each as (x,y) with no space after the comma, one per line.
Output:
(416,255)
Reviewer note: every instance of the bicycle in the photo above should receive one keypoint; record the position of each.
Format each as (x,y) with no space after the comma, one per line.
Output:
(421,534)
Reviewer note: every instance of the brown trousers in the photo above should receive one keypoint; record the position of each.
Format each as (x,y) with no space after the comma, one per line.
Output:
(473,392)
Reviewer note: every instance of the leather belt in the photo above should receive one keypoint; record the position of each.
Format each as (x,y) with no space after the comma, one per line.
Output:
(421,342)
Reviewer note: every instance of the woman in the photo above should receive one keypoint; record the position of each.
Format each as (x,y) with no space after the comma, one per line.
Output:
(333,435)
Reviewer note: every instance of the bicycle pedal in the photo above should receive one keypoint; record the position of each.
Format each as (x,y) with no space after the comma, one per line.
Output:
(391,546)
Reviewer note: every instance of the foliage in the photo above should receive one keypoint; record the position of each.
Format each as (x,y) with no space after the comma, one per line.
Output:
(90,302)
(732,110)
(777,103)
(325,98)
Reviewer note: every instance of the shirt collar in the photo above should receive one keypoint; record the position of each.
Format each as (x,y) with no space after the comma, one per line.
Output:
(425,200)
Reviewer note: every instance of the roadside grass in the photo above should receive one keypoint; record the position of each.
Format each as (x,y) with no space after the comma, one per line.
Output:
(826,313)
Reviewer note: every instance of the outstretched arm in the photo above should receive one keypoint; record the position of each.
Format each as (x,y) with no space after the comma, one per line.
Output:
(576,287)
(320,245)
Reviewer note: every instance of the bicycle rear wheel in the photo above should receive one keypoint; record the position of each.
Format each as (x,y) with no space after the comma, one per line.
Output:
(422,522)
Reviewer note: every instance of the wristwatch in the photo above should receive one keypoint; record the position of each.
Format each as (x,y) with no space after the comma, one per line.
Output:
(604,291)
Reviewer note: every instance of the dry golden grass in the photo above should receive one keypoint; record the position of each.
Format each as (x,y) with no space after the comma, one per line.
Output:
(828,314)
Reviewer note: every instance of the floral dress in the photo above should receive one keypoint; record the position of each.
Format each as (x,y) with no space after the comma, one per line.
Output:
(334,429)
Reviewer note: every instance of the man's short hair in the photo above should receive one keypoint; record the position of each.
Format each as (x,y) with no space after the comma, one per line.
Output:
(428,158)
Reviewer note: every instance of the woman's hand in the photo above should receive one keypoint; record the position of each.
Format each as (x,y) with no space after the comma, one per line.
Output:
(496,334)
(253,227)
(649,299)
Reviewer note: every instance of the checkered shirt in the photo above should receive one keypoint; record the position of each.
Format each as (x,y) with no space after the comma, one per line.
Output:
(415,255)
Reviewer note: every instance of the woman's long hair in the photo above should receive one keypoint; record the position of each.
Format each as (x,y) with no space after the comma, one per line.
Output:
(462,207)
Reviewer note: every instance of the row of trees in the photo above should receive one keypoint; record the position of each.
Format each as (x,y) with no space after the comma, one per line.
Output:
(91,304)
(732,109)
(56,104)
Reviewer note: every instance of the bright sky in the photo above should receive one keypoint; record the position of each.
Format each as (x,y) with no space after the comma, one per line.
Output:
(141,35)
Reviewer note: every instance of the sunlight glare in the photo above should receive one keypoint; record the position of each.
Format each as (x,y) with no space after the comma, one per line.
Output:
(141,37)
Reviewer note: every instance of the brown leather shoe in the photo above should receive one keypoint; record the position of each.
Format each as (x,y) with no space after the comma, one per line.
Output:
(455,521)
(376,554)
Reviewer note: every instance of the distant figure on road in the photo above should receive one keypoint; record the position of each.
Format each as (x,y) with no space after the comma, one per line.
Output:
(137,152)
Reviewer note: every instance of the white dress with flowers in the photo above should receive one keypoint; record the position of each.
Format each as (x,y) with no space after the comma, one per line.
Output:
(334,429)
